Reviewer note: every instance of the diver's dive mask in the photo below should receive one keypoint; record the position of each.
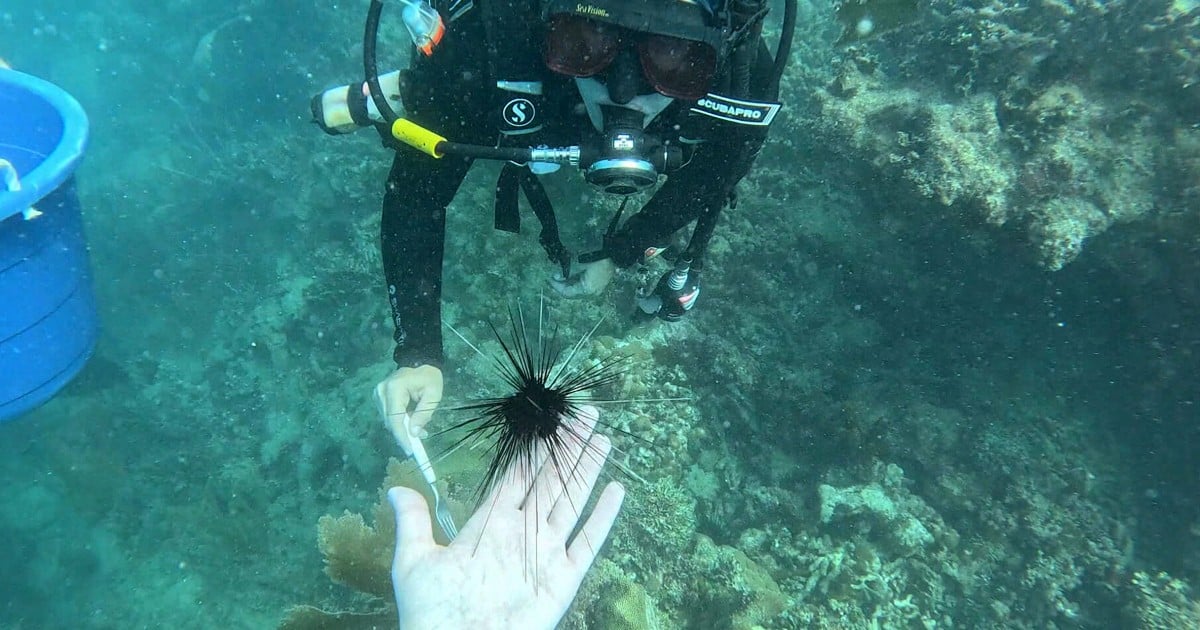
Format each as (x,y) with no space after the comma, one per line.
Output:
(679,42)
(647,53)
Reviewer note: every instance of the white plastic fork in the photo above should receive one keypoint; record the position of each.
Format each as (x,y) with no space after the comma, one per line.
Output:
(440,511)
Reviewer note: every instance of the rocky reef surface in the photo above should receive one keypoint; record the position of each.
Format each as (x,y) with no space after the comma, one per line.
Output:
(902,420)
(1057,119)
(896,415)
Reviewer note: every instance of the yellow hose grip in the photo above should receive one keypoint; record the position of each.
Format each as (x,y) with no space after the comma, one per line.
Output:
(417,137)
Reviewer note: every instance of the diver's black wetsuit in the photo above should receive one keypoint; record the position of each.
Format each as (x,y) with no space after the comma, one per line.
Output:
(449,93)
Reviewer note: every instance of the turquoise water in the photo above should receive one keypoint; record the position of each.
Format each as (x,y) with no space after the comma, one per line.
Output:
(943,371)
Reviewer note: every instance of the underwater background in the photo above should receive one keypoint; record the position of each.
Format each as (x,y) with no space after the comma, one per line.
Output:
(943,373)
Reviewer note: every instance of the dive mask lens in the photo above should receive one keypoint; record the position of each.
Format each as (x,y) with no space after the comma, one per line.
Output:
(679,68)
(580,47)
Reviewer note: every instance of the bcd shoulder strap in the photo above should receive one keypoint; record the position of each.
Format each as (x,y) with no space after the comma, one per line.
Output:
(516,74)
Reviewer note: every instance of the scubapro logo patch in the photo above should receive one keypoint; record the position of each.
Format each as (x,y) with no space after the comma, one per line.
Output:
(756,113)
(744,113)
(519,112)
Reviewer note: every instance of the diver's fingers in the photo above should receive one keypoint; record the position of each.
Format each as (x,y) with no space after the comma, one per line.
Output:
(578,485)
(392,401)
(564,287)
(428,398)
(566,452)
(594,532)
(414,532)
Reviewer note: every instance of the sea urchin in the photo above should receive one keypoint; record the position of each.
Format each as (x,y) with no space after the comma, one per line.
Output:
(546,389)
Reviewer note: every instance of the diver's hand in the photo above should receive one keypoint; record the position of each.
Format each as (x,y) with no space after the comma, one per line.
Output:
(514,563)
(415,392)
(591,281)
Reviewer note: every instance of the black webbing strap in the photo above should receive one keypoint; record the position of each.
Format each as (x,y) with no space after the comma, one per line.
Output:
(508,213)
(513,55)
(605,248)
(549,238)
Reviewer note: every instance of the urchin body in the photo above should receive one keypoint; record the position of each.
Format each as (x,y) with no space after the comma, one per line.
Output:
(546,390)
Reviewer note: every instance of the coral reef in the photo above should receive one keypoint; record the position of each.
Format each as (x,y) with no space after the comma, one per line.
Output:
(1160,602)
(897,517)
(355,553)
(998,113)
(625,607)
(358,555)
(611,598)
(739,594)
(888,419)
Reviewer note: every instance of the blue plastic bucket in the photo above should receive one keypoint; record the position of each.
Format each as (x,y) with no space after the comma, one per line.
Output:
(47,310)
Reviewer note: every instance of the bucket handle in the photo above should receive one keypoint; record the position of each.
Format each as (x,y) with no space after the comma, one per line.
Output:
(9,174)
(12,182)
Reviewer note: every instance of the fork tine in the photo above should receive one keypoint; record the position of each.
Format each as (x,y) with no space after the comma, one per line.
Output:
(447,523)
(448,529)
(442,515)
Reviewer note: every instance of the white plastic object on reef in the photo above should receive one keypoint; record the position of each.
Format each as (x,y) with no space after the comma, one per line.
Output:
(864,26)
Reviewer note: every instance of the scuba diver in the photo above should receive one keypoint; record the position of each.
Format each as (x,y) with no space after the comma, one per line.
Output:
(625,90)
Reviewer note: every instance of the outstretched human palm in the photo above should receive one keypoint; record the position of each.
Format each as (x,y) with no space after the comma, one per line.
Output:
(514,564)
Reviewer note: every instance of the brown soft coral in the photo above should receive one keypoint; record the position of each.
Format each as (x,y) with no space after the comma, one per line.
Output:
(358,555)
(355,553)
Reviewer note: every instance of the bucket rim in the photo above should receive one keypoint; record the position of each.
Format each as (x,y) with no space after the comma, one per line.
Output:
(57,167)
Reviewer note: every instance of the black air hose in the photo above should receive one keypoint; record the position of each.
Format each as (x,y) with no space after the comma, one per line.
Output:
(371,65)
(785,48)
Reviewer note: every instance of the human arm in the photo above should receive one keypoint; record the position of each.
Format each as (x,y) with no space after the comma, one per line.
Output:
(514,564)
(697,192)
(438,94)
(412,239)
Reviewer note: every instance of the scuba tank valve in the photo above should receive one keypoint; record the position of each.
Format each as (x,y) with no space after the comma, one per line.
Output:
(348,108)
